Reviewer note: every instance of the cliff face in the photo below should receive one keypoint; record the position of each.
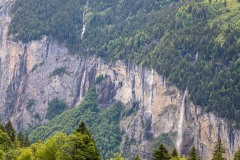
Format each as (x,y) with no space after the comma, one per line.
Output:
(42,70)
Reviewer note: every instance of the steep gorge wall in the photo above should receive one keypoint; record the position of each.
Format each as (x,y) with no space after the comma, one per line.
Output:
(26,73)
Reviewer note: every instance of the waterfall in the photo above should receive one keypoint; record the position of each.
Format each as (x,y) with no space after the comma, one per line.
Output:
(151,87)
(180,124)
(82,85)
(84,21)
(196,57)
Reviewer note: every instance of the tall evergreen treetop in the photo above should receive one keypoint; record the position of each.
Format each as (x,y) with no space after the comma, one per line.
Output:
(20,139)
(219,150)
(175,153)
(193,154)
(10,131)
(82,128)
(26,142)
(161,153)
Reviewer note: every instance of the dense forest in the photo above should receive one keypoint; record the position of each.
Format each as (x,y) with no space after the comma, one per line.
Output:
(194,43)
(104,124)
(79,145)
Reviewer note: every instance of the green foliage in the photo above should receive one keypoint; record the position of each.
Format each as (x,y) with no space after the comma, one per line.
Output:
(12,155)
(137,158)
(193,154)
(161,153)
(37,116)
(26,142)
(58,147)
(117,156)
(59,19)
(237,155)
(99,79)
(5,142)
(2,155)
(175,153)
(30,104)
(2,127)
(80,146)
(219,150)
(178,158)
(26,154)
(20,139)
(59,72)
(103,124)
(10,131)
(55,107)
(201,40)
(82,129)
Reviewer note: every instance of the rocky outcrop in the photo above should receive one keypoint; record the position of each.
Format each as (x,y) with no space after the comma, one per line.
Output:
(35,73)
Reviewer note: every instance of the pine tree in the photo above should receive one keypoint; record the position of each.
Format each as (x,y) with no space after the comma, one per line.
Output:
(83,129)
(218,152)
(161,153)
(175,153)
(237,155)
(26,142)
(20,139)
(137,158)
(193,154)
(10,131)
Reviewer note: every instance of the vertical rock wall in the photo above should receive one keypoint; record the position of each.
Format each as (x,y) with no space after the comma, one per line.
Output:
(152,105)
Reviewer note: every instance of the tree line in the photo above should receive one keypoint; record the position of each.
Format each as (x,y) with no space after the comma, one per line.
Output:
(80,145)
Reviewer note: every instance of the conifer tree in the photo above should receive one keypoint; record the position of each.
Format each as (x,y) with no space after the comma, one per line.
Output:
(26,142)
(20,139)
(237,155)
(175,153)
(83,129)
(218,152)
(10,131)
(161,153)
(193,154)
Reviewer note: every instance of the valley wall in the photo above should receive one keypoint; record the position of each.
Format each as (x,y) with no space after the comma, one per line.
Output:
(152,104)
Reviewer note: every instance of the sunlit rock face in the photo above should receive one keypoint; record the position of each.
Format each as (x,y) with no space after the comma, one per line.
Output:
(43,70)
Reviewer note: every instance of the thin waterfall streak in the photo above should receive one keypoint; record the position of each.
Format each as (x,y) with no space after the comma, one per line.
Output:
(84,21)
(82,84)
(180,124)
(151,87)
